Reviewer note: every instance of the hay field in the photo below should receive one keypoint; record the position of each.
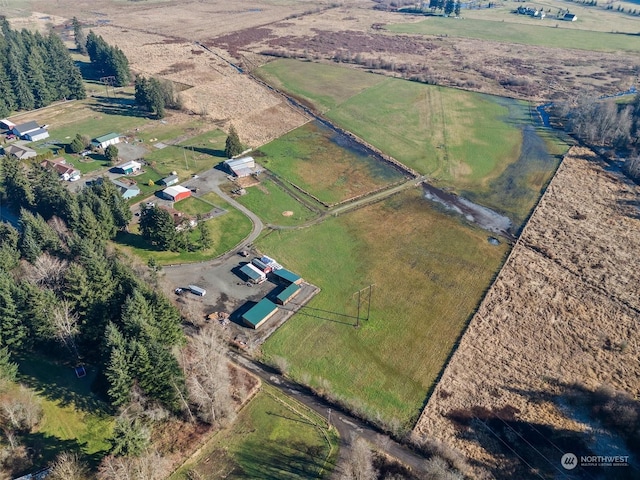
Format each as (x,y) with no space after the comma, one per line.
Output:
(426,287)
(562,312)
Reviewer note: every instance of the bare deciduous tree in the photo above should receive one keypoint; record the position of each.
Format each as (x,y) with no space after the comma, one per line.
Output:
(20,411)
(208,379)
(47,271)
(68,466)
(360,464)
(65,324)
(149,466)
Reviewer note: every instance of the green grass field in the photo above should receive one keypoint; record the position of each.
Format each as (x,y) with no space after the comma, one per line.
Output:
(193,206)
(226,232)
(274,437)
(429,270)
(544,33)
(269,201)
(311,158)
(323,86)
(74,419)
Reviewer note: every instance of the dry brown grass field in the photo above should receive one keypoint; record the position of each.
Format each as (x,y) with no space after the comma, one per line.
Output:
(559,322)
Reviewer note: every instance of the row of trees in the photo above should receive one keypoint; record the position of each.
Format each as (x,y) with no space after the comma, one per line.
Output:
(109,60)
(35,70)
(154,95)
(448,6)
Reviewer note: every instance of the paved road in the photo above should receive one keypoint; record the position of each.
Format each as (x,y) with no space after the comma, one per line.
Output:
(348,426)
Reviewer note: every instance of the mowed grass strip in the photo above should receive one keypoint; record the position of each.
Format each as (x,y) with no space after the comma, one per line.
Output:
(429,270)
(270,202)
(546,34)
(323,86)
(311,158)
(458,138)
(268,440)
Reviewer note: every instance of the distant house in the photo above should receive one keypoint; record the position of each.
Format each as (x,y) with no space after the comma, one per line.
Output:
(570,17)
(176,193)
(105,140)
(128,168)
(59,165)
(170,180)
(259,313)
(20,151)
(127,190)
(30,131)
(181,220)
(241,167)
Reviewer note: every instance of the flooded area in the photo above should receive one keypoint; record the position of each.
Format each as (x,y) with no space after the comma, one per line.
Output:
(482,216)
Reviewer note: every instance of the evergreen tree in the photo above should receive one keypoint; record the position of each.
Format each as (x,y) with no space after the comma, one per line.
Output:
(79,36)
(456,10)
(111,152)
(12,330)
(449,7)
(130,437)
(118,367)
(157,227)
(9,253)
(8,369)
(77,144)
(233,146)
(17,186)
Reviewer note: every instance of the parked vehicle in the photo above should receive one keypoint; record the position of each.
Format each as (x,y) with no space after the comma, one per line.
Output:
(197,290)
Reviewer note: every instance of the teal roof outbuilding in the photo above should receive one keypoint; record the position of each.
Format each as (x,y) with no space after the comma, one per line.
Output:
(259,312)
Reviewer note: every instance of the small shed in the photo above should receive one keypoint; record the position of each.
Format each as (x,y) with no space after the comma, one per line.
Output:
(105,140)
(259,313)
(287,294)
(253,274)
(129,167)
(7,124)
(286,276)
(241,167)
(127,190)
(262,266)
(176,193)
(170,180)
(20,152)
(35,135)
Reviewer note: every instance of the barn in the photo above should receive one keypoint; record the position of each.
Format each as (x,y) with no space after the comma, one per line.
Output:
(259,313)
(105,140)
(253,274)
(241,167)
(176,193)
(128,168)
(287,294)
(30,131)
(285,276)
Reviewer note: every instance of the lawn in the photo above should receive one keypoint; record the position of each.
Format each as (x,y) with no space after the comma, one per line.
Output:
(193,206)
(75,419)
(430,272)
(325,164)
(226,232)
(546,34)
(273,437)
(323,86)
(270,201)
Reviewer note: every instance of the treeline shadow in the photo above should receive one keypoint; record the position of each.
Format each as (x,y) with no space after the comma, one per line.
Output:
(524,449)
(214,152)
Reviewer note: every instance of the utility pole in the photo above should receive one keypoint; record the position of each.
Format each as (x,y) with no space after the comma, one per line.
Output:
(359,293)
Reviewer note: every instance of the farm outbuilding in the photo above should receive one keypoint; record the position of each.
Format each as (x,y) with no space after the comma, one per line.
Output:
(253,274)
(176,193)
(128,168)
(286,276)
(127,190)
(7,124)
(35,135)
(570,17)
(262,266)
(170,180)
(105,140)
(22,129)
(259,313)
(241,167)
(20,152)
(287,294)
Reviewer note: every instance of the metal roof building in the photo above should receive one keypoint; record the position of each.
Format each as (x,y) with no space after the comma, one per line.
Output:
(105,140)
(288,277)
(24,128)
(170,180)
(259,313)
(254,275)
(35,135)
(287,294)
(129,167)
(176,193)
(241,167)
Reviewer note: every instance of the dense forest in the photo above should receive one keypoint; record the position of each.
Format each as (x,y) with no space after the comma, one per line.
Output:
(66,294)
(35,70)
(108,60)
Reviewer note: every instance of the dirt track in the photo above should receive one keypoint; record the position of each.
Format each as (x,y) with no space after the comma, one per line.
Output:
(563,310)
